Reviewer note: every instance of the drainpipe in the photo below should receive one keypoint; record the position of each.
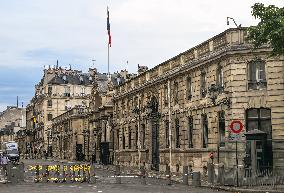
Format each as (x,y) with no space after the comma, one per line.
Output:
(170,127)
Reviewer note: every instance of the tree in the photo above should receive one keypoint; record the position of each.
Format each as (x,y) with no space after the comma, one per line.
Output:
(270,29)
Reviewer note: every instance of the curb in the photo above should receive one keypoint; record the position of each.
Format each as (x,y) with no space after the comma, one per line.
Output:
(242,190)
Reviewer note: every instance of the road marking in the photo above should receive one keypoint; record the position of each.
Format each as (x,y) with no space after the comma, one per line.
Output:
(100,191)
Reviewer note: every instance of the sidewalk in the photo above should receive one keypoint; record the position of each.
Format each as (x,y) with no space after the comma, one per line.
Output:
(178,180)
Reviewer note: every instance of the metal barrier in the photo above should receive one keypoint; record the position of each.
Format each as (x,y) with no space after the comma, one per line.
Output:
(62,173)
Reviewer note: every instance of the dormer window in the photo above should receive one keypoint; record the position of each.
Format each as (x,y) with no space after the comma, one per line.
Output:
(81,80)
(64,78)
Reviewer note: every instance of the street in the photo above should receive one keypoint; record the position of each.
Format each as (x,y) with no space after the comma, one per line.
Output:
(105,183)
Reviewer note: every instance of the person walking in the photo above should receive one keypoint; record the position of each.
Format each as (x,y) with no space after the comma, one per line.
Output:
(4,164)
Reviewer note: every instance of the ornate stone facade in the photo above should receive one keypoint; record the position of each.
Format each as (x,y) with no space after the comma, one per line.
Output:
(180,111)
(58,91)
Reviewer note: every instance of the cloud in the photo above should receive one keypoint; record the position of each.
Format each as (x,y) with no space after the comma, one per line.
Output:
(147,32)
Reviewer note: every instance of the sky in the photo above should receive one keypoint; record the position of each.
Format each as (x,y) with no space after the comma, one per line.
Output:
(36,33)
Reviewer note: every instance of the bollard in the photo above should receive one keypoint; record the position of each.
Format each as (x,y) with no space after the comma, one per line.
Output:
(92,174)
(196,179)
(44,173)
(117,175)
(185,175)
(168,174)
(143,175)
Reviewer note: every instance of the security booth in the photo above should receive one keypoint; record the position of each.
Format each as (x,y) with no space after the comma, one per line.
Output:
(259,157)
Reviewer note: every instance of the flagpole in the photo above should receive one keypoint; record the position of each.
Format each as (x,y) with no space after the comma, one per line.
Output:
(108,58)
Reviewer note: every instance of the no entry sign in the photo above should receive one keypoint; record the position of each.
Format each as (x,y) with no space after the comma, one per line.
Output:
(236,126)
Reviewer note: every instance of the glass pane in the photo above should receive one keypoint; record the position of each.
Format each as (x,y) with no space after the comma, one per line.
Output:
(252,113)
(252,71)
(265,113)
(265,126)
(262,70)
(252,125)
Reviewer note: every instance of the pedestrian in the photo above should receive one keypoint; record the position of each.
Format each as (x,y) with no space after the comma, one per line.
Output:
(4,164)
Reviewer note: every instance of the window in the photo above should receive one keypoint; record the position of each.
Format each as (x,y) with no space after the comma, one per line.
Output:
(190,132)
(49,90)
(167,131)
(203,84)
(136,136)
(259,119)
(256,75)
(117,138)
(49,117)
(49,103)
(143,131)
(123,139)
(166,97)
(83,90)
(189,88)
(177,134)
(221,118)
(205,131)
(129,138)
(175,93)
(67,91)
(220,78)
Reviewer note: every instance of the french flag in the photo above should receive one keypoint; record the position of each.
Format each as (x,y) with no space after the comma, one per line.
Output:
(108,29)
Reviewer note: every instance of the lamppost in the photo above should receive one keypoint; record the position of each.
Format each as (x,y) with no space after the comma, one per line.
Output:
(228,22)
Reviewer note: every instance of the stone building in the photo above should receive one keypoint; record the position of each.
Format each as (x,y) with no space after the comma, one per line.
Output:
(101,115)
(70,135)
(58,91)
(180,111)
(13,125)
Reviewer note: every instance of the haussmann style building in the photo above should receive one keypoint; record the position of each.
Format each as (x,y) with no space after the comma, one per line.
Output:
(59,90)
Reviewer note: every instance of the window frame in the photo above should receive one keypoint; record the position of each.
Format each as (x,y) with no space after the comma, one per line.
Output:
(177,128)
(189,88)
(203,79)
(254,81)
(190,131)
(205,126)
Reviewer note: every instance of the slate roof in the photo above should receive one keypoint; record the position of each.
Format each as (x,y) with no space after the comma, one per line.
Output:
(72,78)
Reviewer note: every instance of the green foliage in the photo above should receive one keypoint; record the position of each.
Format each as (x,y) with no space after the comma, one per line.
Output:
(270,29)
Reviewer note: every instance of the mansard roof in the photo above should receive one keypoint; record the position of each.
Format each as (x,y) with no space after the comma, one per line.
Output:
(72,78)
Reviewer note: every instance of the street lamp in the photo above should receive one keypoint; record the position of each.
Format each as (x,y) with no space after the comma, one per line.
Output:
(228,22)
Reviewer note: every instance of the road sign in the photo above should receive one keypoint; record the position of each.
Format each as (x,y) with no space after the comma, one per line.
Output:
(236,126)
